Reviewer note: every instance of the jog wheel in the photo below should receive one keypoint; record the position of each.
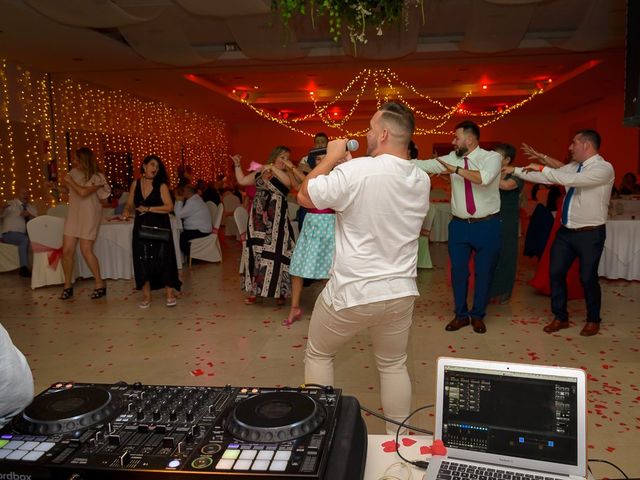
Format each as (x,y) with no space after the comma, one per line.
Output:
(275,417)
(67,410)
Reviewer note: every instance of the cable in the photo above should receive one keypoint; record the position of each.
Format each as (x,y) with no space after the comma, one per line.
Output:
(401,424)
(609,463)
(419,463)
(376,414)
(387,475)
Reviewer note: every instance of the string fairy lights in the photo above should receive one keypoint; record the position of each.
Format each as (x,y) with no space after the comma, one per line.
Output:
(383,85)
(120,128)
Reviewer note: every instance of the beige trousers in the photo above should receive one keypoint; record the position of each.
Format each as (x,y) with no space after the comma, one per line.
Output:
(388,323)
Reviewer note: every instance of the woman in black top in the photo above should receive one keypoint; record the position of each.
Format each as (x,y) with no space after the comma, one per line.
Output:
(154,261)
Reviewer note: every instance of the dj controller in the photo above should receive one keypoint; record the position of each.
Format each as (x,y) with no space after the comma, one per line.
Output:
(75,431)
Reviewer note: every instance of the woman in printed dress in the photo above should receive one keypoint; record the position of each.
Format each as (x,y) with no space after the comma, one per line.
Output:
(270,239)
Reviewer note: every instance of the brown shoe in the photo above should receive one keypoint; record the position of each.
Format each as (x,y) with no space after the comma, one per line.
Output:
(590,329)
(478,325)
(555,325)
(456,324)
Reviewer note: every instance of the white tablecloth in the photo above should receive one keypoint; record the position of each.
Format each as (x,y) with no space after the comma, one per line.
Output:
(378,460)
(114,252)
(621,255)
(625,206)
(437,221)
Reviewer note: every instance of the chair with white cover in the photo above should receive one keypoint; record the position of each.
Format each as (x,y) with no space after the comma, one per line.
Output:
(45,233)
(230,202)
(59,210)
(241,217)
(208,248)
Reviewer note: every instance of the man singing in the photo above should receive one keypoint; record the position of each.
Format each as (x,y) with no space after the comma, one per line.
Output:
(380,202)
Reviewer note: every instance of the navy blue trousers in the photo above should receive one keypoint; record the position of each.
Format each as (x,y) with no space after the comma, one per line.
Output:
(587,246)
(484,239)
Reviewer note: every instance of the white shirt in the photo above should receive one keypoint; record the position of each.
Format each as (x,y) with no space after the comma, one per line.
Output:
(486,195)
(16,381)
(380,203)
(194,214)
(590,201)
(12,221)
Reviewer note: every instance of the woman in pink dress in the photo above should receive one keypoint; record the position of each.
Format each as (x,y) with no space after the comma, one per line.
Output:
(87,187)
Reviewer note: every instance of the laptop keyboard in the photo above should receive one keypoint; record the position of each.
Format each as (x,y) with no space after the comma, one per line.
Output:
(462,471)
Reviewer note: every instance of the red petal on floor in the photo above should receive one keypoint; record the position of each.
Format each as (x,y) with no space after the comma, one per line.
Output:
(407,442)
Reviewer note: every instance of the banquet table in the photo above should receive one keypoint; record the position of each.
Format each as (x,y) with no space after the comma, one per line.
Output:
(625,206)
(114,252)
(437,220)
(621,254)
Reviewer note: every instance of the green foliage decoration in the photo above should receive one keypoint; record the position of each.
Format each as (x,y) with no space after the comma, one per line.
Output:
(359,16)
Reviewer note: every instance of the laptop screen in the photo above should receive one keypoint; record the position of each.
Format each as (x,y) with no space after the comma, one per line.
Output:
(524,415)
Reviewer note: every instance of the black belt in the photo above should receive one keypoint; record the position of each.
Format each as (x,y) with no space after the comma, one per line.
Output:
(585,229)
(474,220)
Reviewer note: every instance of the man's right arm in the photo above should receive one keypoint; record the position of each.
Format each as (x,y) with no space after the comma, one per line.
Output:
(336,152)
(429,166)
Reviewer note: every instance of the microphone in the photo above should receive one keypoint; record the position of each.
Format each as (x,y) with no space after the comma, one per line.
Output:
(352,145)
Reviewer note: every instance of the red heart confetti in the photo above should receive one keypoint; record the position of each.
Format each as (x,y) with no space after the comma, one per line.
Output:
(407,442)
(390,446)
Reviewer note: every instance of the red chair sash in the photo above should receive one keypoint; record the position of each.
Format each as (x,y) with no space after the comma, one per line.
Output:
(55,254)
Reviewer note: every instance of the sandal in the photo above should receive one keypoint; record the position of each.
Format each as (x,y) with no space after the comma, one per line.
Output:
(144,304)
(98,293)
(294,315)
(171,302)
(66,294)
(250,300)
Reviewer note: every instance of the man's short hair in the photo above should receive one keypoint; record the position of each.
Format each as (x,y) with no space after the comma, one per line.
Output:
(507,150)
(399,116)
(469,127)
(321,134)
(591,136)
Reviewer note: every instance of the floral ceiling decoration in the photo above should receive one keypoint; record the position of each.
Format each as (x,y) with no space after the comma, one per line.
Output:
(358,17)
(383,85)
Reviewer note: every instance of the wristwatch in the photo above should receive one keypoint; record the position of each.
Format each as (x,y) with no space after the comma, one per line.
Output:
(457,168)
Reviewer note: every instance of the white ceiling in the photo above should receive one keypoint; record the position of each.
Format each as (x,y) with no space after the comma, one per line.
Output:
(148,46)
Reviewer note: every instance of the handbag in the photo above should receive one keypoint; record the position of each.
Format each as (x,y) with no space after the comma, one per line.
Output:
(154,234)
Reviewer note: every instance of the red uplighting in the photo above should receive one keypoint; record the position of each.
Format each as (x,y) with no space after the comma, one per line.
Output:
(312,93)
(484,87)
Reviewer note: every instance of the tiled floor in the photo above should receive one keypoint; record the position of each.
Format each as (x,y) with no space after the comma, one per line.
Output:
(212,338)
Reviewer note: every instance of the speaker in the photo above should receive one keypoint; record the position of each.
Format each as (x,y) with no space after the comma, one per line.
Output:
(632,66)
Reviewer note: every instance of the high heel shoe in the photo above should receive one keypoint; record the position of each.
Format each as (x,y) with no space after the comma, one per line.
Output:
(250,300)
(98,293)
(294,315)
(66,294)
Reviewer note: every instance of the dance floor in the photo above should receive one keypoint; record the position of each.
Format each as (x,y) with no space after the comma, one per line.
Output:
(212,338)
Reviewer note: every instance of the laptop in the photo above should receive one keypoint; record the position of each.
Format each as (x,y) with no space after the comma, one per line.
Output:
(509,421)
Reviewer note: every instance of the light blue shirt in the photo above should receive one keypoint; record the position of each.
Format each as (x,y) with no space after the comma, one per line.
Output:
(194,214)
